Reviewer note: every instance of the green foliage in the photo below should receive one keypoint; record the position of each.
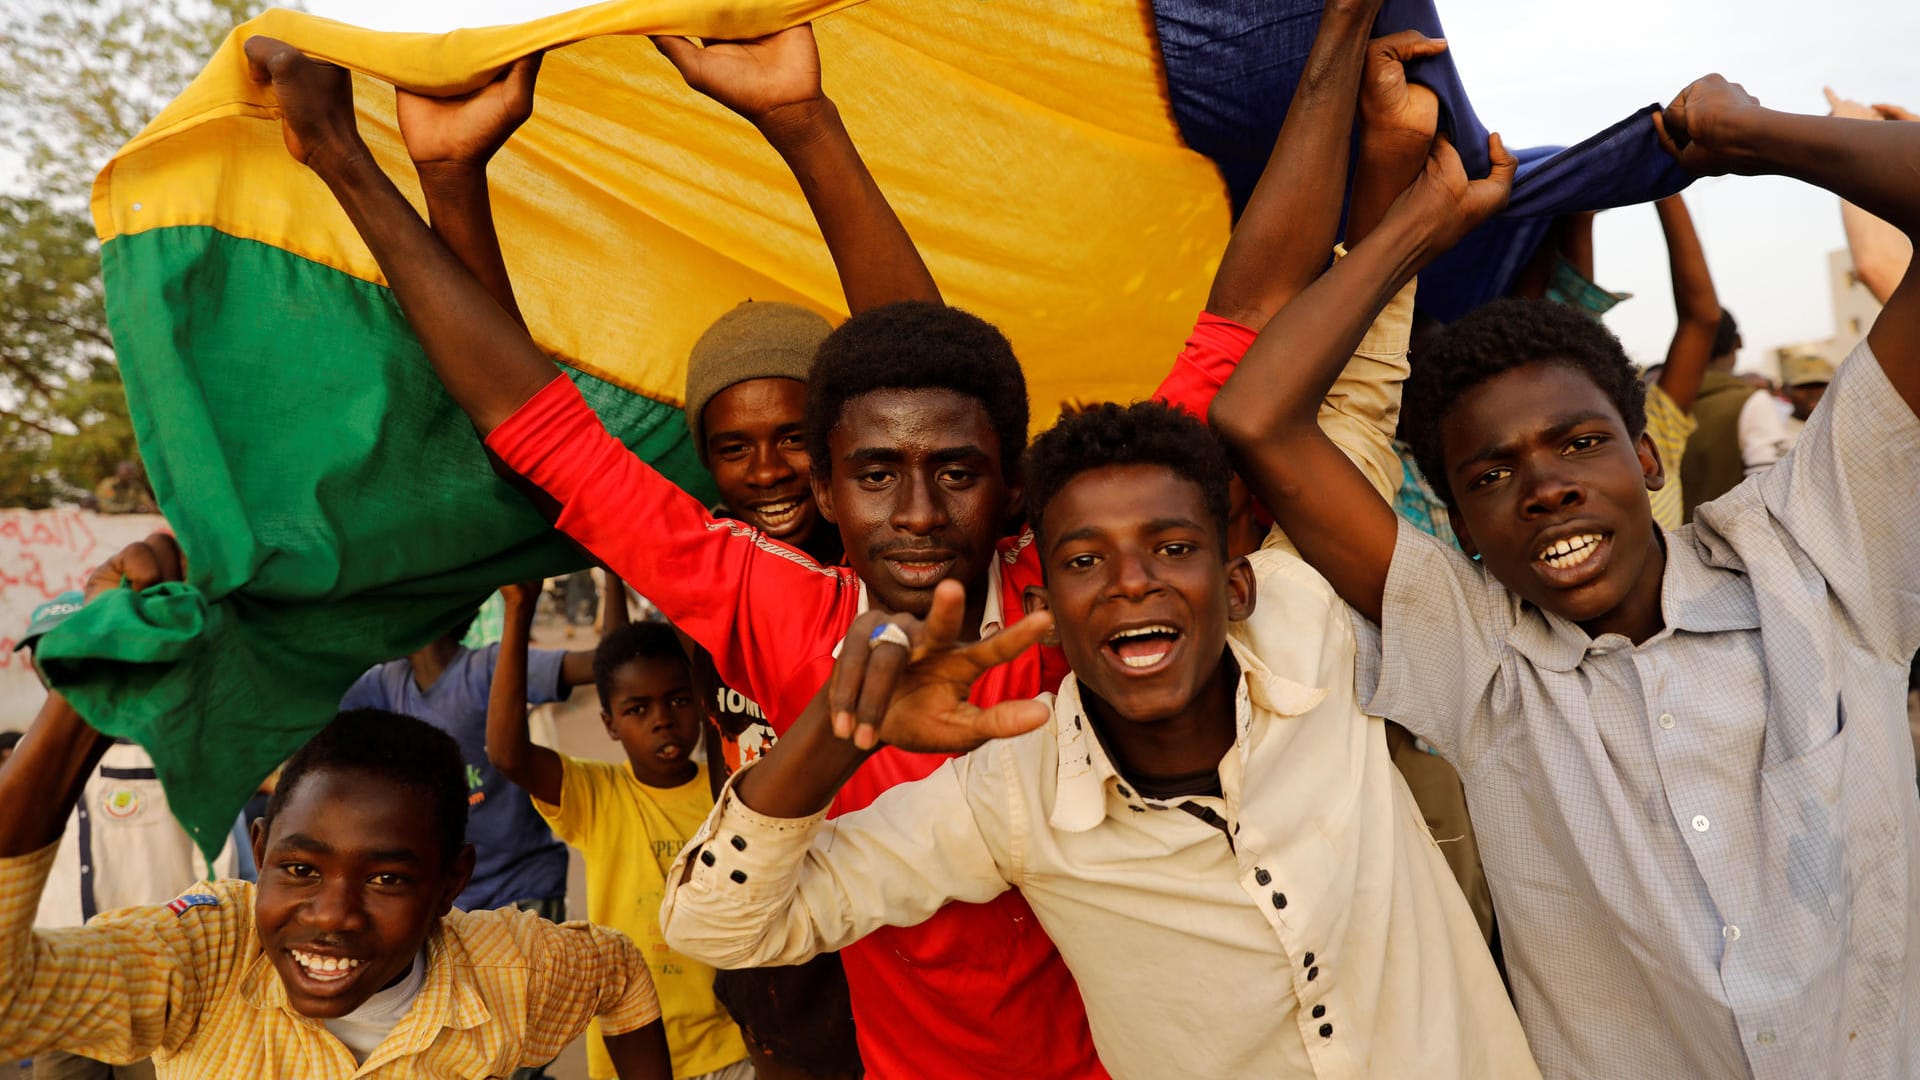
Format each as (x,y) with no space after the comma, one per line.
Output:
(78,78)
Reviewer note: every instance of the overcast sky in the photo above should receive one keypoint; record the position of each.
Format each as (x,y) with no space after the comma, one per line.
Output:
(1553,73)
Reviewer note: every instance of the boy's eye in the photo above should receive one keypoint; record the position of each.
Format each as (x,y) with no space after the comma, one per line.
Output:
(1586,442)
(793,442)
(731,450)
(1177,548)
(1083,562)
(1491,476)
(389,881)
(873,477)
(681,701)
(957,476)
(299,870)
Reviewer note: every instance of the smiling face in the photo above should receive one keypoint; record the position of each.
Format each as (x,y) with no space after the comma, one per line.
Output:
(1550,491)
(352,880)
(651,711)
(756,451)
(1140,588)
(918,492)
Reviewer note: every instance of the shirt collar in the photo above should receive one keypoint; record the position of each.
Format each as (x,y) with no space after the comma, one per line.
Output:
(1084,772)
(1701,591)
(443,1002)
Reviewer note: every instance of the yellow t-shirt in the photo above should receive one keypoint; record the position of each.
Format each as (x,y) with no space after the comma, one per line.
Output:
(630,834)
(1668,427)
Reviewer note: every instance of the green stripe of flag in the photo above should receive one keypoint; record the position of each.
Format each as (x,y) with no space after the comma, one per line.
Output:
(336,507)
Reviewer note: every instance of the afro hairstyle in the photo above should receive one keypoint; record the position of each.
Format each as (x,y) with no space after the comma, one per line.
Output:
(1145,433)
(918,345)
(1495,339)
(394,749)
(625,644)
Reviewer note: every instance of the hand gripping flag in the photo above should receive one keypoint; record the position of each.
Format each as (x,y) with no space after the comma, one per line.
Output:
(1061,166)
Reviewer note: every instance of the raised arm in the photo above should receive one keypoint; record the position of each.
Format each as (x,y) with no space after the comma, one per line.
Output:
(774,83)
(1715,127)
(451,140)
(1291,220)
(1695,305)
(1880,251)
(536,769)
(482,354)
(1268,412)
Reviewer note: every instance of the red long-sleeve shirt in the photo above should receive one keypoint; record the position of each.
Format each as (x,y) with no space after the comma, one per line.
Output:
(978,990)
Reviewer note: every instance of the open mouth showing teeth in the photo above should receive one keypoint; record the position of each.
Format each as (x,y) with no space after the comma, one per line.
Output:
(1143,646)
(781,513)
(671,752)
(324,968)
(1570,552)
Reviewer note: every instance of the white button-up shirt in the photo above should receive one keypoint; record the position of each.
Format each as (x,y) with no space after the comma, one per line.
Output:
(1704,849)
(1301,924)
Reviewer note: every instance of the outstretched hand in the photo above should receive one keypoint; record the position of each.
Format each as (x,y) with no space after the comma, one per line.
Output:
(149,562)
(1389,104)
(1700,128)
(757,78)
(467,130)
(316,103)
(915,696)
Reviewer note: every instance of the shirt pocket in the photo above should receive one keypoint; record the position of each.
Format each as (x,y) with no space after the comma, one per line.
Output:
(1804,824)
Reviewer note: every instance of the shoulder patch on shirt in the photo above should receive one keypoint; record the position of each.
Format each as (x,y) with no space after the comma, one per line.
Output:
(179,904)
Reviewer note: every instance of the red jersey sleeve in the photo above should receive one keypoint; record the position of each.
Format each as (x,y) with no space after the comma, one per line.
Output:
(765,611)
(1213,350)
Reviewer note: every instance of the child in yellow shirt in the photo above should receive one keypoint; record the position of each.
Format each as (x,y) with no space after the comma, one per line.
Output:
(630,818)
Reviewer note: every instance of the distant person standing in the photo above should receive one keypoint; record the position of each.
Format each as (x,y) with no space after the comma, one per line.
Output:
(1715,462)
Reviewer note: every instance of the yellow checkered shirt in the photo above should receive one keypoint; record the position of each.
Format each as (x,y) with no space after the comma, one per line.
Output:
(1668,427)
(194,990)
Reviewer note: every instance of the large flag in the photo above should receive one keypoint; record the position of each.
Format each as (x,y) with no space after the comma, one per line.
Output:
(1069,170)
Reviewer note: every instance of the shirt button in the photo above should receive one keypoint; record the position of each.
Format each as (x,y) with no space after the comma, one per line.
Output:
(1280,900)
(1319,1011)
(1666,720)
(1730,932)
(1699,823)
(1765,1038)
(1313,973)
(1326,1031)
(1307,960)
(1260,876)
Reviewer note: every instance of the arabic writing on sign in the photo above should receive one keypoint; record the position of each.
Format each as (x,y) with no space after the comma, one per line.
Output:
(44,553)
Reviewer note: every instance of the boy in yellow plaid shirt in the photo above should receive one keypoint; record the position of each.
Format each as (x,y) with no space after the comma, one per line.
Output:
(345,960)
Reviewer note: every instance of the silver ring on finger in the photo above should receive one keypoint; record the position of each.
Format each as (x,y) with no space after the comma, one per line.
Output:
(889,633)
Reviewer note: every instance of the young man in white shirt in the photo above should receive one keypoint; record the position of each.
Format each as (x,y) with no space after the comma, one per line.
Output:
(1202,819)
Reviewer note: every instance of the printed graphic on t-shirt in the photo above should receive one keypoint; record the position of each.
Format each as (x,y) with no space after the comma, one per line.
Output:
(738,711)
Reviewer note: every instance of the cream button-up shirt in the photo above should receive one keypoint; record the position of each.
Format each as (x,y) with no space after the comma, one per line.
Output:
(1301,924)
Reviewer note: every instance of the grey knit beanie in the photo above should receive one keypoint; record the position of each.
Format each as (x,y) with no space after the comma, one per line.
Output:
(757,340)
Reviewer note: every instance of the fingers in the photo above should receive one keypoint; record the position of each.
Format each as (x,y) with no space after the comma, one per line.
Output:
(1010,718)
(1505,165)
(1406,45)
(885,661)
(679,51)
(1010,642)
(850,672)
(260,52)
(1895,112)
(521,76)
(156,559)
(944,618)
(1660,132)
